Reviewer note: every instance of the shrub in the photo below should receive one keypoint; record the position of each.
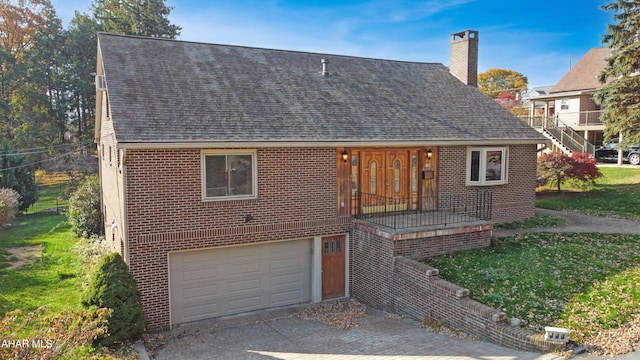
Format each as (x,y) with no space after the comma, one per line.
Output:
(17,174)
(557,168)
(9,203)
(69,335)
(112,286)
(85,214)
(584,169)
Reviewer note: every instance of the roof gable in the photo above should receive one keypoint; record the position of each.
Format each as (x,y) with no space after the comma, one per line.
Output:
(583,76)
(167,91)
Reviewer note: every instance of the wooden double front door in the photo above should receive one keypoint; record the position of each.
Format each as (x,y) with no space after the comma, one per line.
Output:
(390,179)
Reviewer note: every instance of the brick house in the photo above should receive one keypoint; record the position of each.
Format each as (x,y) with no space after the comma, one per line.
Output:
(236,178)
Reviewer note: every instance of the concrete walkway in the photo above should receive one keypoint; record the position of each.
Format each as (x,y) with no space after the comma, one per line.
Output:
(580,223)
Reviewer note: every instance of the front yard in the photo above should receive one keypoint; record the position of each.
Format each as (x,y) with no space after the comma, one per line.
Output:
(585,282)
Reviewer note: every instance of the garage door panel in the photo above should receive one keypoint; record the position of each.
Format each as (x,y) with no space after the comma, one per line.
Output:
(284,297)
(193,260)
(193,312)
(244,286)
(239,270)
(200,291)
(200,274)
(285,264)
(244,304)
(217,282)
(244,254)
(287,280)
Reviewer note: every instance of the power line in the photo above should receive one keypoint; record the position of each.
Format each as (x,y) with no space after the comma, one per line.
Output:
(45,160)
(38,150)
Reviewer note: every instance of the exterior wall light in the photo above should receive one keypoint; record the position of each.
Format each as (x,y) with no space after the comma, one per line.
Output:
(429,154)
(345,155)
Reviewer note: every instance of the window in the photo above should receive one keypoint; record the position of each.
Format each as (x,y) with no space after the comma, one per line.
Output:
(229,175)
(414,172)
(354,174)
(396,176)
(487,166)
(564,104)
(373,174)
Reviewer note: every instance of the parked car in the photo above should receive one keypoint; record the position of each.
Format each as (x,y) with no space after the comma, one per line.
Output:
(609,152)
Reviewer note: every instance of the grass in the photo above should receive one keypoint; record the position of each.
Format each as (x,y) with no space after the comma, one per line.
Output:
(48,289)
(584,282)
(51,279)
(543,278)
(616,194)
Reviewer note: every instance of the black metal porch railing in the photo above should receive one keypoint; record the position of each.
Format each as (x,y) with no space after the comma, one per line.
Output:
(404,213)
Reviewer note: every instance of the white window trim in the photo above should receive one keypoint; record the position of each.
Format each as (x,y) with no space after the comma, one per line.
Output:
(254,174)
(483,162)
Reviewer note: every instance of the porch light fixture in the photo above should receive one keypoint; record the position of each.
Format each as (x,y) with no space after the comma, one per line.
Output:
(345,155)
(429,154)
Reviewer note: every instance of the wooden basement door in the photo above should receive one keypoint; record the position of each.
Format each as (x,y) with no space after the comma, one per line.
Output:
(333,267)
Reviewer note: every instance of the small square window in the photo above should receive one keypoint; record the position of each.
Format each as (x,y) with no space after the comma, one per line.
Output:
(564,104)
(487,166)
(229,175)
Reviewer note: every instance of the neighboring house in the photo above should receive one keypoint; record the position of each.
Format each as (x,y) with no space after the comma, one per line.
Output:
(237,178)
(570,107)
(539,108)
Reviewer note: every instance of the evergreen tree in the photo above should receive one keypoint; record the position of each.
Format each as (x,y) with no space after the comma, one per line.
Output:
(81,58)
(135,17)
(620,97)
(113,286)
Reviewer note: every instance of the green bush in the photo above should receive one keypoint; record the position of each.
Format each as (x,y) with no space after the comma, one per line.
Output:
(17,174)
(85,214)
(9,203)
(113,286)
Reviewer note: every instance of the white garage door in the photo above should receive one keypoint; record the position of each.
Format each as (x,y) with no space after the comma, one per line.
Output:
(217,282)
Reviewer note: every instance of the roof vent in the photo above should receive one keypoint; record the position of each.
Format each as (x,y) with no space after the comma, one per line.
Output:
(325,67)
(101,83)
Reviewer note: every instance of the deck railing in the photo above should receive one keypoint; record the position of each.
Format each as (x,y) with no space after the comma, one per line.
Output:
(442,210)
(562,133)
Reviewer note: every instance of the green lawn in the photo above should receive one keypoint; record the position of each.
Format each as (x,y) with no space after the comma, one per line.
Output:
(546,279)
(51,279)
(616,194)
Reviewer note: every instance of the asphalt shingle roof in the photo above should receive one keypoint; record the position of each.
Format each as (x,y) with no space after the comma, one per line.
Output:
(168,91)
(583,76)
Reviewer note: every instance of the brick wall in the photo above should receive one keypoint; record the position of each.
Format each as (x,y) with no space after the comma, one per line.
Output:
(420,293)
(514,201)
(165,211)
(385,279)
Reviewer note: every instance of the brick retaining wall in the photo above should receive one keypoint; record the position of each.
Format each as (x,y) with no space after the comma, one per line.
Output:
(387,275)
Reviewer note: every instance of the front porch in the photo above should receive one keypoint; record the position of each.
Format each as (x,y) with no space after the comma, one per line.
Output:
(419,228)
(424,213)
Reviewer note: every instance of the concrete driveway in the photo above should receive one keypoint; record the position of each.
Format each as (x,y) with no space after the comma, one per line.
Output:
(279,334)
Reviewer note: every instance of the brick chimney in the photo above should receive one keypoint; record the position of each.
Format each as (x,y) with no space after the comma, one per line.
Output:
(464,56)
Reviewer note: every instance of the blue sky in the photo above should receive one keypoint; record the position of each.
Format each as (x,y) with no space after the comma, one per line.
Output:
(539,39)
